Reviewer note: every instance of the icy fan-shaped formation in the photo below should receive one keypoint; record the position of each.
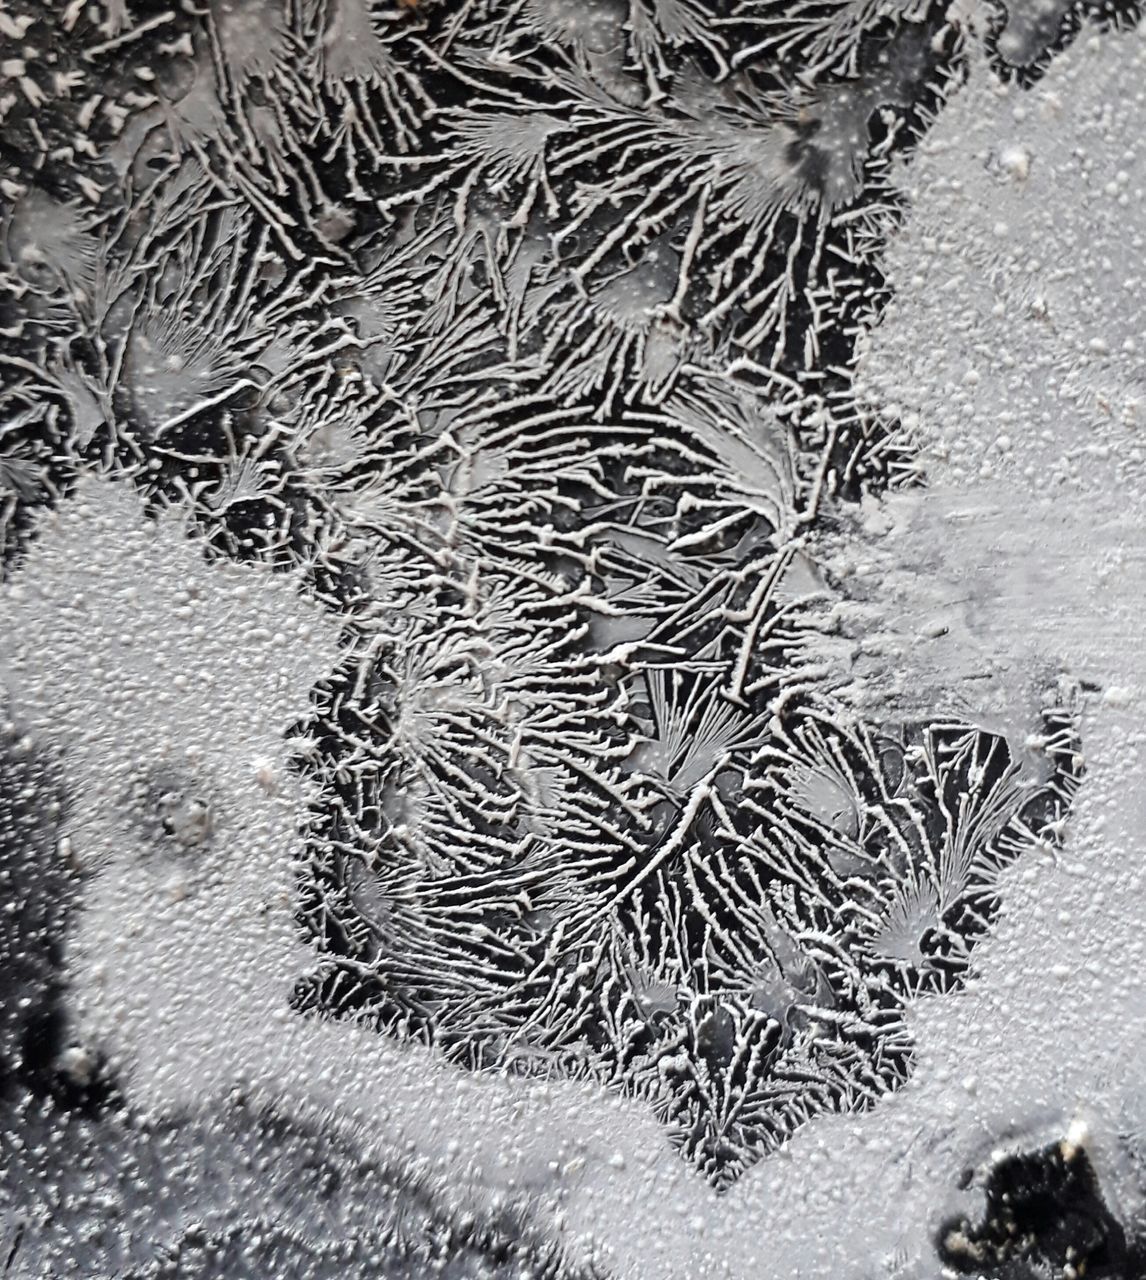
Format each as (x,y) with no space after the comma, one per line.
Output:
(507,352)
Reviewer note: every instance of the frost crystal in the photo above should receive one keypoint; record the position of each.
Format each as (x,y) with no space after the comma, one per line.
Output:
(474,516)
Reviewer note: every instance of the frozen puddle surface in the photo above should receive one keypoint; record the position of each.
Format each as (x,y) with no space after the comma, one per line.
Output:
(570,640)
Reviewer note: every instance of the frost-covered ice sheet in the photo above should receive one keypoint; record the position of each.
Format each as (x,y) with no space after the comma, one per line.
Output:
(570,639)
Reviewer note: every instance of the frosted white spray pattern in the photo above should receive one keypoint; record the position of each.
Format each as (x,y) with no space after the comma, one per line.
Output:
(183,960)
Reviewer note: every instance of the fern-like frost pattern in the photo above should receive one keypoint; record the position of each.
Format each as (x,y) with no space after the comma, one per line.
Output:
(522,335)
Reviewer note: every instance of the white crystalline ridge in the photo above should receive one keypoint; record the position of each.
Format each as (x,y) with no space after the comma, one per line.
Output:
(182,964)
